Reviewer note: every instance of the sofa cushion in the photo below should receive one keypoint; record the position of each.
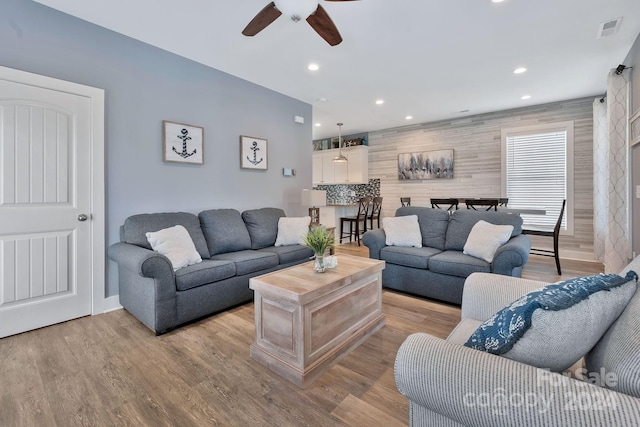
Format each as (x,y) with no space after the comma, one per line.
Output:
(262,225)
(485,239)
(249,261)
(433,224)
(555,326)
(224,231)
(402,231)
(463,220)
(291,253)
(463,331)
(207,271)
(409,257)
(616,354)
(176,244)
(455,263)
(136,227)
(292,230)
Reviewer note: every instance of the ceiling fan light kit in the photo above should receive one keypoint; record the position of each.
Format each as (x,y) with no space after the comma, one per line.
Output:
(309,10)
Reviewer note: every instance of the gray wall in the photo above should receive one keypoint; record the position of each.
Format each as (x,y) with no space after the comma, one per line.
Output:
(145,85)
(633,60)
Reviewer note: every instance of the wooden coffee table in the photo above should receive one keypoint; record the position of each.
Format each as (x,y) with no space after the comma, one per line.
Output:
(306,321)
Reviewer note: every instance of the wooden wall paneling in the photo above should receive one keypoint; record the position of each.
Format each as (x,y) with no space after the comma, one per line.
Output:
(476,141)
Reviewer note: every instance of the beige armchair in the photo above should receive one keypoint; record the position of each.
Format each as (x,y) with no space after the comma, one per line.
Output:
(451,385)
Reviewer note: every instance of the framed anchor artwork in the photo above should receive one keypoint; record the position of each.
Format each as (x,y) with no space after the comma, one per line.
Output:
(183,143)
(253,153)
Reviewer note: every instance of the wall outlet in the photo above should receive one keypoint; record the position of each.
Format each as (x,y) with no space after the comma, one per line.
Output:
(352,193)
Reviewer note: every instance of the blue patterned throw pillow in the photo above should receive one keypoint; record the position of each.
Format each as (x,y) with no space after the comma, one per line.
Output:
(565,319)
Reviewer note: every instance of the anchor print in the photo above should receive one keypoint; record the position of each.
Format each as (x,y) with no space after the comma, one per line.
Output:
(184,137)
(255,149)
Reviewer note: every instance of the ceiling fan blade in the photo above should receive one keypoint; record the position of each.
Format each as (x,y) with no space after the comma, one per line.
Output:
(265,17)
(324,26)
(340,0)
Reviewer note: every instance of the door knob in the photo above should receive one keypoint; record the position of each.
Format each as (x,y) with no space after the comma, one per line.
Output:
(82,217)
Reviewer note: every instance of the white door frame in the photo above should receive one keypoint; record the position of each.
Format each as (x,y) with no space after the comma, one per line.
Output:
(98,301)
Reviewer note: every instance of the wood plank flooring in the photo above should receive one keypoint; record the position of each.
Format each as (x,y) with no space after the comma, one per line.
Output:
(110,370)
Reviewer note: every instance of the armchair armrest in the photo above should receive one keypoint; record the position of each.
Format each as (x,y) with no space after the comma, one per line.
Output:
(474,388)
(375,240)
(512,254)
(484,293)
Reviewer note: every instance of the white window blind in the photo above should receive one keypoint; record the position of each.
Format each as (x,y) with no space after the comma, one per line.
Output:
(536,174)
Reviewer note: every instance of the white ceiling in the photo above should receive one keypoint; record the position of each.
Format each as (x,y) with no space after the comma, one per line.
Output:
(426,59)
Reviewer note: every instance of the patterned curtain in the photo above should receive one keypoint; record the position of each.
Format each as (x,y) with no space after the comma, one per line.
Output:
(610,175)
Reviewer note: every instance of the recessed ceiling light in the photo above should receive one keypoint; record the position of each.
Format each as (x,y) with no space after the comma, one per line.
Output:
(313,67)
(409,117)
(318,125)
(519,70)
(379,102)
(497,1)
(525,97)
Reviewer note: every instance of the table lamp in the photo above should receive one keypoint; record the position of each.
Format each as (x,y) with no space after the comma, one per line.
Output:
(315,199)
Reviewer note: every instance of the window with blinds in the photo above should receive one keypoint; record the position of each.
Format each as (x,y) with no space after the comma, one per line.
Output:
(536,172)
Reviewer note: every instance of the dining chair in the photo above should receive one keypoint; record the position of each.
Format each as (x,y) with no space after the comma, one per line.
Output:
(354,221)
(376,207)
(555,233)
(405,201)
(488,204)
(503,202)
(453,204)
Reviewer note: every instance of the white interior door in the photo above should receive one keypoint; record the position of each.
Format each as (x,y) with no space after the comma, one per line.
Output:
(45,206)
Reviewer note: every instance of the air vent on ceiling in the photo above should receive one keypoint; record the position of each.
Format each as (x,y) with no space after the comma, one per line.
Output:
(609,28)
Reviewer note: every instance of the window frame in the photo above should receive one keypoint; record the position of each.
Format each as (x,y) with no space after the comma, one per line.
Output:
(568,127)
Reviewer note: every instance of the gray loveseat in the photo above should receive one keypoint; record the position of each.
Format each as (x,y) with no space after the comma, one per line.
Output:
(439,268)
(234,247)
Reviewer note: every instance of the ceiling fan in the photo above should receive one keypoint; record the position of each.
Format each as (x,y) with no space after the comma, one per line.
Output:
(310,10)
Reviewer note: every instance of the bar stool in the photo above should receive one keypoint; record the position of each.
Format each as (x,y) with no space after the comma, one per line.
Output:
(405,201)
(354,221)
(376,207)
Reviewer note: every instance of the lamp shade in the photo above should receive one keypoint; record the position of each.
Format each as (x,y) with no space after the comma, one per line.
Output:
(314,197)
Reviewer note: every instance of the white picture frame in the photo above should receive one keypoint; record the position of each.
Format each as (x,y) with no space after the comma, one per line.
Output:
(183,143)
(253,153)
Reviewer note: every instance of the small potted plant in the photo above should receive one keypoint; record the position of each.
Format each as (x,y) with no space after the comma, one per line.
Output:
(318,239)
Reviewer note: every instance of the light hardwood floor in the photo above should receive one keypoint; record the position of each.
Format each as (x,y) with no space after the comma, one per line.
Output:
(111,370)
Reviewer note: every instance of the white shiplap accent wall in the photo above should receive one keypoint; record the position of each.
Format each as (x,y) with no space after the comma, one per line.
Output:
(476,143)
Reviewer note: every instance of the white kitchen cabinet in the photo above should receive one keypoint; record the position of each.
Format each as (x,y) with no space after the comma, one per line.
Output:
(354,171)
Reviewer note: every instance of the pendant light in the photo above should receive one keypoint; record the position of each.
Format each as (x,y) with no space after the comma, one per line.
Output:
(340,158)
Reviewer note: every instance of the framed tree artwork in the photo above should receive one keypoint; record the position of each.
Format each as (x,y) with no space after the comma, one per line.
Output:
(183,143)
(253,153)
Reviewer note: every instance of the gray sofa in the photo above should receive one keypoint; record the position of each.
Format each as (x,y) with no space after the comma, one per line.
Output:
(439,268)
(451,385)
(234,247)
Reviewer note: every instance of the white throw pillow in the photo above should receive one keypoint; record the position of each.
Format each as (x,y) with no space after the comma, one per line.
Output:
(291,231)
(485,239)
(402,231)
(175,243)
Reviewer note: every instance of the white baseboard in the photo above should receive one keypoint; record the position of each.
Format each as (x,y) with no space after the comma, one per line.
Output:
(112,304)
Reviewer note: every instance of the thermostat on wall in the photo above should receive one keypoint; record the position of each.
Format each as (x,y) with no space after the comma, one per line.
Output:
(288,172)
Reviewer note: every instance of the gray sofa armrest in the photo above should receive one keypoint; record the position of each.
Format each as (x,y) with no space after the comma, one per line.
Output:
(484,294)
(147,285)
(512,255)
(474,388)
(375,240)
